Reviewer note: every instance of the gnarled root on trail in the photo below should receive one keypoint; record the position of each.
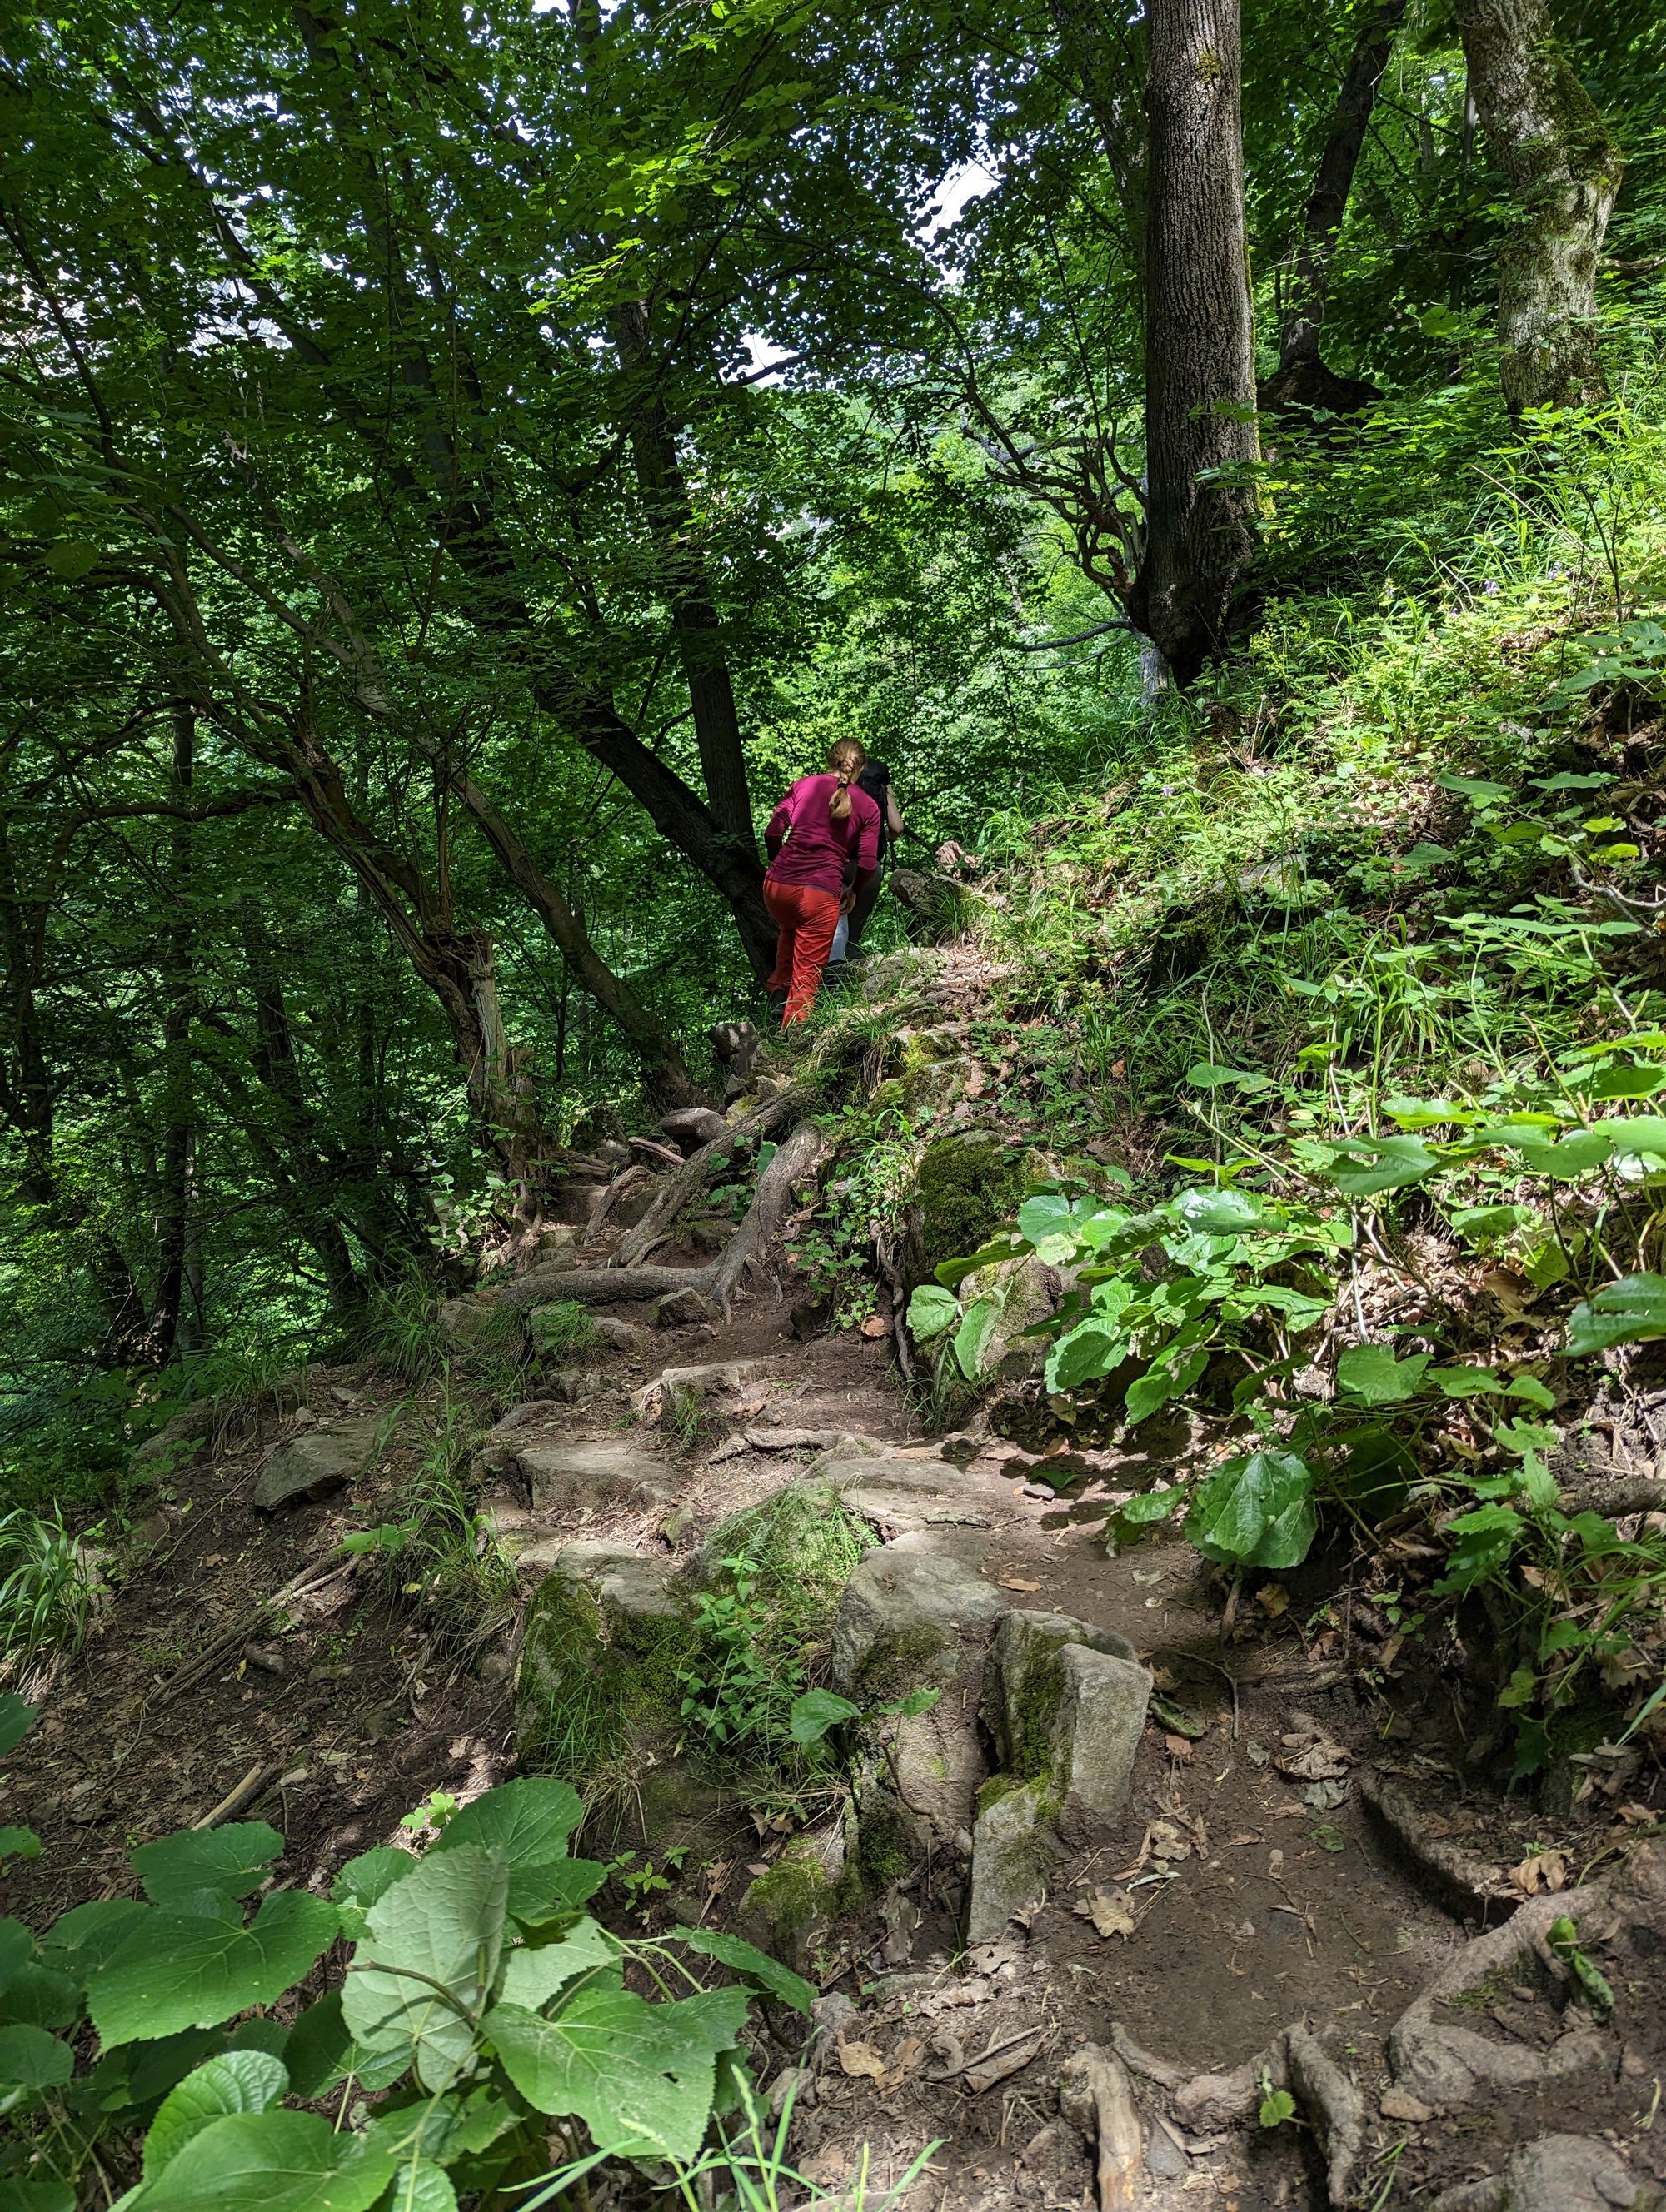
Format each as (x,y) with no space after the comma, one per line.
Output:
(1095,2095)
(797,1161)
(696,1171)
(1451,2066)
(1294,2061)
(608,1197)
(1459,1881)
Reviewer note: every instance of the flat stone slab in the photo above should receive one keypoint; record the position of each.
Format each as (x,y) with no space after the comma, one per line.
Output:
(566,1476)
(715,1375)
(314,1464)
(630,1585)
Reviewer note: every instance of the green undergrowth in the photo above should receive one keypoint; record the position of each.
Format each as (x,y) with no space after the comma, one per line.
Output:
(1325,1037)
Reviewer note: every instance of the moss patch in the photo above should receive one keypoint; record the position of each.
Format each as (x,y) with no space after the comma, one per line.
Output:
(964,1190)
(784,1911)
(910,1659)
(588,1697)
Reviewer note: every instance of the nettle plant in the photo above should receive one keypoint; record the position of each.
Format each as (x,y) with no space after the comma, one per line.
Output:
(487,2037)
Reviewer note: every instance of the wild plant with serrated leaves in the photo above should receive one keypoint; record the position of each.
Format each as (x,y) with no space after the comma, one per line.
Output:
(484,2016)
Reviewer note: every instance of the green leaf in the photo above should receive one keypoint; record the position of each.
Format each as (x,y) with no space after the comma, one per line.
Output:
(16,1719)
(1478,788)
(1639,1135)
(529,1820)
(1208,1075)
(756,1966)
(1160,1383)
(1383,1163)
(1370,1372)
(641,2076)
(32,2059)
(972,1338)
(270,2161)
(239,2081)
(533,1974)
(83,1937)
(19,1844)
(72,559)
(1593,1986)
(1627,1081)
(1630,1311)
(1256,1512)
(931,1310)
(177,1970)
(366,1879)
(1466,1381)
(1533,1392)
(443,1925)
(1576,1154)
(228,1863)
(1481,1542)
(422,2186)
(1093,1349)
(815,1712)
(1276,2107)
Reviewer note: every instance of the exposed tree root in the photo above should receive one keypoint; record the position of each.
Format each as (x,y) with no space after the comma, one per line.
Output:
(609,1196)
(1294,2061)
(1458,1880)
(696,1171)
(1095,2095)
(1450,2066)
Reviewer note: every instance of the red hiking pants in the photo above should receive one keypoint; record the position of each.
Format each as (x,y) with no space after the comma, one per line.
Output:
(807,919)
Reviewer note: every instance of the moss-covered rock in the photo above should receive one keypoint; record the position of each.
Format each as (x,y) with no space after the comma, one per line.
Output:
(1065,1704)
(965,1188)
(788,1910)
(598,1681)
(1015,1848)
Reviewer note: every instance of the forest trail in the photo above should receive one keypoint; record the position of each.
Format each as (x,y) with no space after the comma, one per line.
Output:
(1246,1891)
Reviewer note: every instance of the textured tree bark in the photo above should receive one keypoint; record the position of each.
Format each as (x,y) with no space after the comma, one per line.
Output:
(1302,376)
(167,1306)
(1564,170)
(1200,338)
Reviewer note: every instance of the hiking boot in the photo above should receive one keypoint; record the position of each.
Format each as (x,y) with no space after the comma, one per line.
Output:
(777,1006)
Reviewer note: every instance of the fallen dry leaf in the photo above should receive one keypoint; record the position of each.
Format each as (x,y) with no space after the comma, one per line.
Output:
(1166,1842)
(1548,1868)
(1273,1599)
(1180,1747)
(1321,1762)
(862,2058)
(1018,1583)
(874,1327)
(1110,1911)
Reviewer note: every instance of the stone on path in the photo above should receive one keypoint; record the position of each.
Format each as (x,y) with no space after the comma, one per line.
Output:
(564,1477)
(1066,1703)
(314,1463)
(693,1126)
(679,1309)
(616,1336)
(1558,2173)
(1014,1851)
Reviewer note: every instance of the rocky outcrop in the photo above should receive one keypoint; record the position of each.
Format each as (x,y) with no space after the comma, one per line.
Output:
(566,1478)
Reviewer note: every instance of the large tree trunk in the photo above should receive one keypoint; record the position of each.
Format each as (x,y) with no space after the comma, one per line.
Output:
(168,1307)
(1564,172)
(1200,338)
(1302,378)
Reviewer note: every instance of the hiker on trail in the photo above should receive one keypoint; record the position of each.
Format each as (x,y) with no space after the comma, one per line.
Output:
(823,847)
(875,781)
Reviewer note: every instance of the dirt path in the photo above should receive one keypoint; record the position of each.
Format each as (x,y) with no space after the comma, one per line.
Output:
(1247,1890)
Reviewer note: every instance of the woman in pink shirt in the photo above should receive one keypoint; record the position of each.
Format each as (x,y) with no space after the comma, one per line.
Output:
(823,847)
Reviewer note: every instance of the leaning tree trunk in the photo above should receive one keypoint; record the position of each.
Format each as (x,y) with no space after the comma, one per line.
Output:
(1564,170)
(1302,375)
(1201,439)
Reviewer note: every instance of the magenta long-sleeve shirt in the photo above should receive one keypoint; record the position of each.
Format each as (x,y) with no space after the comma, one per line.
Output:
(805,845)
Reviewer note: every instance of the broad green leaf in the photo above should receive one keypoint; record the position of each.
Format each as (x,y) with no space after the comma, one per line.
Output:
(1160,1383)
(16,1719)
(540,1894)
(972,1338)
(1627,1081)
(16,1949)
(83,1938)
(239,2081)
(42,1995)
(35,2196)
(1256,1512)
(1480,789)
(1052,1224)
(1576,1154)
(1489,1220)
(366,1880)
(231,1862)
(1642,1133)
(815,1712)
(179,1970)
(1093,1349)
(1532,1391)
(931,1310)
(1630,1311)
(1209,1075)
(1481,1542)
(1371,1165)
(270,2161)
(19,1844)
(757,1966)
(72,559)
(443,1925)
(1466,1381)
(529,1820)
(1370,1372)
(422,2186)
(640,2076)
(1427,1113)
(1219,1212)
(32,2059)
(533,1975)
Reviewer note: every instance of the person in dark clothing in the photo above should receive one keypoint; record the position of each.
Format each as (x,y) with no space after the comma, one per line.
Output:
(875,781)
(823,847)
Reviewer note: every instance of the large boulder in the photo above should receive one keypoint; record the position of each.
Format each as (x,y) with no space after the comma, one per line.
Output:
(788,1910)
(597,1687)
(482,1332)
(314,1463)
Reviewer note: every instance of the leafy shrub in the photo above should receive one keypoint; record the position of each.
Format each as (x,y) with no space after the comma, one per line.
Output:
(45,1591)
(482,2011)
